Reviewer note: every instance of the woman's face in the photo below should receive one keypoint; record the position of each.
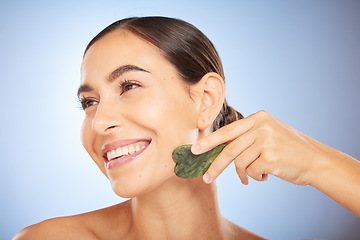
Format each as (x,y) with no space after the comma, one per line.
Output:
(137,111)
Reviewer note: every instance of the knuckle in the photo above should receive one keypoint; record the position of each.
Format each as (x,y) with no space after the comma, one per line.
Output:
(275,172)
(262,114)
(268,145)
(239,164)
(213,170)
(227,130)
(265,139)
(263,130)
(239,169)
(266,154)
(230,152)
(269,158)
(265,134)
(250,171)
(266,124)
(255,170)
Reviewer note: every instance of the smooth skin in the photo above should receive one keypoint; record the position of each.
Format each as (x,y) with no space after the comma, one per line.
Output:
(161,107)
(157,105)
(261,145)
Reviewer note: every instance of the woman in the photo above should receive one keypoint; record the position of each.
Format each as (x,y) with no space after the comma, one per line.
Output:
(149,85)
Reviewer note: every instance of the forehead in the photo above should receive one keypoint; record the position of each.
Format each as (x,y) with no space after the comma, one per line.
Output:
(119,48)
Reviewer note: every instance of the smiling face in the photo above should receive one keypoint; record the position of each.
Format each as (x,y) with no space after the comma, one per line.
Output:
(137,111)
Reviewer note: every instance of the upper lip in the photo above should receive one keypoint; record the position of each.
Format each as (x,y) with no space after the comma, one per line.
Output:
(120,143)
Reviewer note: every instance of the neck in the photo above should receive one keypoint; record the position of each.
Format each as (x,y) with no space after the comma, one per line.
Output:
(179,209)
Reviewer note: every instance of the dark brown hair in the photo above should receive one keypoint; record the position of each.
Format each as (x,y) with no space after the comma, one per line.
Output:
(184,46)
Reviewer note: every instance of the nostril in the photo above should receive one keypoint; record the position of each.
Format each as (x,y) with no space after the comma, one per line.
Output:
(105,121)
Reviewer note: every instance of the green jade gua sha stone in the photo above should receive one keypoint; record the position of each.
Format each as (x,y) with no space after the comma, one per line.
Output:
(190,165)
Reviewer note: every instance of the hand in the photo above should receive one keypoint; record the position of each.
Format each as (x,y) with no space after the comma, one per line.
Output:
(260,145)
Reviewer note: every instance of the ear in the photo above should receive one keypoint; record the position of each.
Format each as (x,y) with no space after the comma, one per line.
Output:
(213,96)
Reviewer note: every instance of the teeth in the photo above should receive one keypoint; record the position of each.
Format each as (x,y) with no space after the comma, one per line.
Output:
(123,151)
(131,149)
(111,154)
(118,152)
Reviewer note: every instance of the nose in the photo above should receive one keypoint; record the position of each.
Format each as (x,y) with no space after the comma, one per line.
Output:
(107,119)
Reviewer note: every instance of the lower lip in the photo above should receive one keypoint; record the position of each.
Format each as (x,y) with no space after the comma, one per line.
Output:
(123,160)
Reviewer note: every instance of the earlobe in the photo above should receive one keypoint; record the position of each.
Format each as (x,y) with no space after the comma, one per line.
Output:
(213,96)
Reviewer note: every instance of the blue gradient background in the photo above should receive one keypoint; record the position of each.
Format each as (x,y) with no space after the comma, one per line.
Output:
(299,60)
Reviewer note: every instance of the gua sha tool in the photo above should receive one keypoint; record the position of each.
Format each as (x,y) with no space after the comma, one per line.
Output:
(190,165)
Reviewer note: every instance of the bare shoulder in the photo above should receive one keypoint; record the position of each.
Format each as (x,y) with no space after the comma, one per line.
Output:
(92,225)
(237,232)
(56,228)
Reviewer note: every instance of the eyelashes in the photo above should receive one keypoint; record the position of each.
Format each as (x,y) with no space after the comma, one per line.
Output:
(125,86)
(86,102)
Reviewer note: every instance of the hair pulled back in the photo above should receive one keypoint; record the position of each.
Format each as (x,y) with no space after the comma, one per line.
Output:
(184,46)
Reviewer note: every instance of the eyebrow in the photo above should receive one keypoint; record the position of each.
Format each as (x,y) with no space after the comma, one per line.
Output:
(124,69)
(83,88)
(112,76)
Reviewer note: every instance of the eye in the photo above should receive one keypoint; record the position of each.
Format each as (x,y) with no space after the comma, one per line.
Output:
(128,85)
(87,102)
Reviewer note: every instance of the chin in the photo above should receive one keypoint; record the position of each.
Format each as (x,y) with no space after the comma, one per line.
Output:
(126,194)
(130,188)
(129,191)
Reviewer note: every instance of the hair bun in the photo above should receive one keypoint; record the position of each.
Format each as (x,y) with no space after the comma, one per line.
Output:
(226,116)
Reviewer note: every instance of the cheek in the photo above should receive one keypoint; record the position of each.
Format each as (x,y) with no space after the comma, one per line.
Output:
(88,140)
(169,118)
(179,118)
(173,122)
(170,109)
(85,134)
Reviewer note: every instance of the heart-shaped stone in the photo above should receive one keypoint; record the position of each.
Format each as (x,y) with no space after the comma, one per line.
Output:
(190,165)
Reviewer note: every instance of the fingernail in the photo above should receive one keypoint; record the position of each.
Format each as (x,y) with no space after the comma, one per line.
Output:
(264,177)
(206,178)
(195,148)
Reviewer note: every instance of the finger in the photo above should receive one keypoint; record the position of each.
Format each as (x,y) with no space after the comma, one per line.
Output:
(223,135)
(245,159)
(257,170)
(265,177)
(230,152)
